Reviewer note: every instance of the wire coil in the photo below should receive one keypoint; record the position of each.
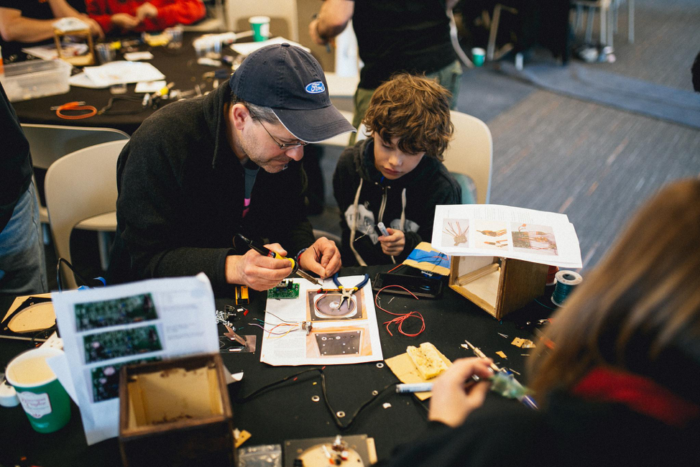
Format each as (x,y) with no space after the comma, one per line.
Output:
(566,282)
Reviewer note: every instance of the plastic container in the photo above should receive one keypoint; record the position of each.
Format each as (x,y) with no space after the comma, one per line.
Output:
(35,78)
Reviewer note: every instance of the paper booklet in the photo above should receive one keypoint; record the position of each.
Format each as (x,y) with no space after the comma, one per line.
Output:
(103,329)
(492,230)
(338,335)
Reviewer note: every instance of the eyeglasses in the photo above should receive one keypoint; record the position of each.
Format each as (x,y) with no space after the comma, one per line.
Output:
(283,146)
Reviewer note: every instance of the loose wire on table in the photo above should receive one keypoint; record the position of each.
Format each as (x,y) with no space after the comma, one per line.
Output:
(400,317)
(295,378)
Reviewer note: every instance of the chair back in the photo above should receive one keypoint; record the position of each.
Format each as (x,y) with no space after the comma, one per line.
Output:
(470,153)
(79,186)
(49,143)
(281,12)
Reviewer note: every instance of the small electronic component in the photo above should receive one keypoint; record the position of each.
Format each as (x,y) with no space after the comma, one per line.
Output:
(241,297)
(427,359)
(285,290)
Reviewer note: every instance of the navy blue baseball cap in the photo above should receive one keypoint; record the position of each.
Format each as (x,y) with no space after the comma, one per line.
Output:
(290,81)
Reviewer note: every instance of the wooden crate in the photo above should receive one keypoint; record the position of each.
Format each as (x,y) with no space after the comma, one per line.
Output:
(498,285)
(176,413)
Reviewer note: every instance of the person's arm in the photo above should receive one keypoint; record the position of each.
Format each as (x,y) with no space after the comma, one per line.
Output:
(16,28)
(177,12)
(61,9)
(331,20)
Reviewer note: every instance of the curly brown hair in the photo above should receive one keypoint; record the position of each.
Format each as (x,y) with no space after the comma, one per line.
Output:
(416,110)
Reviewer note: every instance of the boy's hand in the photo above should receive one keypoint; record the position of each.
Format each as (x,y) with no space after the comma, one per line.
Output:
(393,243)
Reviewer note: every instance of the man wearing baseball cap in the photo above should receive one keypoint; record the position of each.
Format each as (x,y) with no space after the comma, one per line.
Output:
(200,171)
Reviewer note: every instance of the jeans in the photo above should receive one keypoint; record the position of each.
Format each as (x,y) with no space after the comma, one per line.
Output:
(22,263)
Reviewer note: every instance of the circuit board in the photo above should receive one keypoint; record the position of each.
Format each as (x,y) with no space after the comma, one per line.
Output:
(105,379)
(123,343)
(285,290)
(125,310)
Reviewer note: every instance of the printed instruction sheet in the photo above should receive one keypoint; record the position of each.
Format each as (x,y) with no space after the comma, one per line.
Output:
(317,329)
(492,230)
(104,328)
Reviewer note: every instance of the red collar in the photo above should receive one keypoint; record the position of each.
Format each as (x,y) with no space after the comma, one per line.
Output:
(640,394)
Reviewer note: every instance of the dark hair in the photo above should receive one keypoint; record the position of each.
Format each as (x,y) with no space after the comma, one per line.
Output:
(414,109)
(639,310)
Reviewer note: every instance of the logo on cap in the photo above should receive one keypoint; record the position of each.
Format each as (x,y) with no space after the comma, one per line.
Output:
(316,87)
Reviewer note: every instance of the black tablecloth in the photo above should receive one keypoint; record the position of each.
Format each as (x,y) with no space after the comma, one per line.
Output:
(179,67)
(288,412)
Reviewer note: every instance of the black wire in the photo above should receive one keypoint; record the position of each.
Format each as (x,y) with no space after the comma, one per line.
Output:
(326,400)
(110,103)
(58,273)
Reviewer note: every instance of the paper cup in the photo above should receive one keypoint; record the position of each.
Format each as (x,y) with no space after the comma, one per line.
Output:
(42,396)
(261,28)
(478,55)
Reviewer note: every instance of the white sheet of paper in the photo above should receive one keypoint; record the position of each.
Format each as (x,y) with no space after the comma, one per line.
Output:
(150,86)
(247,48)
(298,348)
(135,56)
(122,72)
(182,322)
(59,365)
(508,232)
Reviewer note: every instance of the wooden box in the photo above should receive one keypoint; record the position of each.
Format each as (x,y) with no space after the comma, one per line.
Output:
(175,413)
(498,285)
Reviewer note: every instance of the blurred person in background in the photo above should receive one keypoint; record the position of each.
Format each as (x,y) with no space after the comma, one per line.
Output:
(115,16)
(24,23)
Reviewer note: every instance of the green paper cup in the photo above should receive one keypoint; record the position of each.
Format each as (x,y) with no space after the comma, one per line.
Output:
(261,28)
(42,396)
(478,55)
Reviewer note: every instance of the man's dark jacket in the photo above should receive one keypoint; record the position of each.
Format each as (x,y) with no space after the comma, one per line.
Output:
(181,196)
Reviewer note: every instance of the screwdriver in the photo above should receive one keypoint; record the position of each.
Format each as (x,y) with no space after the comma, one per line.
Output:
(267,252)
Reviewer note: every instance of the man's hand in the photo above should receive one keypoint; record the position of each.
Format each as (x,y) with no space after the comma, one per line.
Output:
(146,10)
(451,402)
(257,271)
(322,257)
(95,28)
(313,32)
(393,243)
(125,21)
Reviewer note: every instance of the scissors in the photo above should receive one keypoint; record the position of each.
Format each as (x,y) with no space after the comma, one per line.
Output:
(348,292)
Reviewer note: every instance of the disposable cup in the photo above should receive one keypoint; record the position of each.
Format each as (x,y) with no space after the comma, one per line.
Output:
(261,28)
(105,53)
(175,34)
(478,56)
(42,396)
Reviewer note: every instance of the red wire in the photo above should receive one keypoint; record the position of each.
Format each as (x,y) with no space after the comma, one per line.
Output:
(400,317)
(394,269)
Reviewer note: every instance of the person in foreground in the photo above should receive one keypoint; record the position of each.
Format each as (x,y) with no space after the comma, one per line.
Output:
(620,386)
(396,176)
(189,179)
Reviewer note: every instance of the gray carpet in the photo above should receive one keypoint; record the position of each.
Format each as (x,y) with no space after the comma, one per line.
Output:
(614,90)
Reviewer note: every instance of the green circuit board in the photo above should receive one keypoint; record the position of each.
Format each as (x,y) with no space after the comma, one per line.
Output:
(285,290)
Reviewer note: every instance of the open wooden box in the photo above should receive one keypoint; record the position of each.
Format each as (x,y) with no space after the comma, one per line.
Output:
(498,285)
(176,413)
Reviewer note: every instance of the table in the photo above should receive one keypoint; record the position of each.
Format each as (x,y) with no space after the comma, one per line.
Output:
(287,412)
(179,67)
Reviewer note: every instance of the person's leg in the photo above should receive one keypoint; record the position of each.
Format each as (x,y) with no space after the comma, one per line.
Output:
(361,100)
(450,78)
(22,263)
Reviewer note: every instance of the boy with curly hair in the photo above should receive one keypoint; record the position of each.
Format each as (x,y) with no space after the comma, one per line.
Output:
(396,176)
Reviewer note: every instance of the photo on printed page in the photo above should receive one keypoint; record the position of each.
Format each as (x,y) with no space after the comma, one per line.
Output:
(105,313)
(330,306)
(530,238)
(105,379)
(491,235)
(108,345)
(455,232)
(342,342)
